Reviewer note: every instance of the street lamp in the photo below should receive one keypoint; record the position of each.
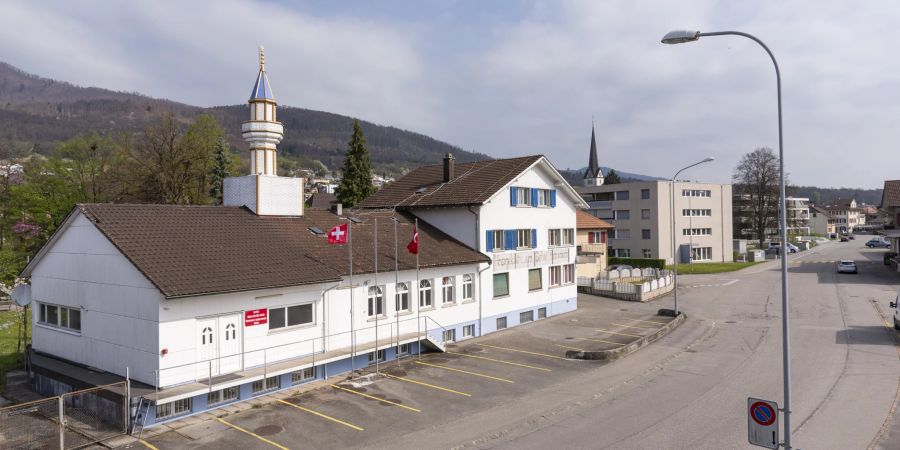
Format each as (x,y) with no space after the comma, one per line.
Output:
(672,211)
(680,37)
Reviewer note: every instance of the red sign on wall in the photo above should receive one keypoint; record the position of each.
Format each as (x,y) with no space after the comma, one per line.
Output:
(256,317)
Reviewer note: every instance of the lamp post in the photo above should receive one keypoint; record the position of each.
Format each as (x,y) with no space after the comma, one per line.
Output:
(680,37)
(675,247)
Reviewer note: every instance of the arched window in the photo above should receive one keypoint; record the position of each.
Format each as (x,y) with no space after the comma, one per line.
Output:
(402,301)
(425,294)
(376,301)
(206,336)
(230,332)
(467,287)
(447,288)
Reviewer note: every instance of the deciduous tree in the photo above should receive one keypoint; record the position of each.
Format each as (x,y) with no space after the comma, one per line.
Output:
(756,185)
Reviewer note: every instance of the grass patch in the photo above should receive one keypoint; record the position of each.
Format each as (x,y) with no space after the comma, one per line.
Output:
(9,358)
(702,268)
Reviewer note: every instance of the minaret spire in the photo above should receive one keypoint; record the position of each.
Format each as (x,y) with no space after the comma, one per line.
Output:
(262,59)
(263,132)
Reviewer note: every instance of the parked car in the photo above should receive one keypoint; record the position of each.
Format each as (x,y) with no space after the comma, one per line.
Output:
(847,266)
(894,304)
(844,239)
(619,267)
(851,237)
(878,243)
(792,248)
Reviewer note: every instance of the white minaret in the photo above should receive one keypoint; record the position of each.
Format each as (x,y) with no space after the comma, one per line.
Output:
(263,191)
(263,132)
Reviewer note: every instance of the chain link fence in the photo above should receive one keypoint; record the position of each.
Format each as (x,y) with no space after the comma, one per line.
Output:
(69,421)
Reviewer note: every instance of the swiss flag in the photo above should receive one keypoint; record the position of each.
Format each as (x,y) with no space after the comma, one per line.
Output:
(338,234)
(413,245)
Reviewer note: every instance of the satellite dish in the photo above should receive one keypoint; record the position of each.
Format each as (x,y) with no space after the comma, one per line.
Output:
(22,294)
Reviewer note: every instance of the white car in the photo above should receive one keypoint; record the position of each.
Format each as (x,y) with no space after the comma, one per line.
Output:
(894,304)
(792,248)
(846,266)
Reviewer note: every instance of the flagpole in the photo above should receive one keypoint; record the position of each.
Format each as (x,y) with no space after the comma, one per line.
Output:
(377,303)
(352,318)
(396,283)
(418,294)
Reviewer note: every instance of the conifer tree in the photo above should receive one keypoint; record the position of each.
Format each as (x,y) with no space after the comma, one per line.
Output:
(219,170)
(612,177)
(356,181)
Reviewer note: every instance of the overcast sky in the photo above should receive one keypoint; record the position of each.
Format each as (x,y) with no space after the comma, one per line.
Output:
(517,77)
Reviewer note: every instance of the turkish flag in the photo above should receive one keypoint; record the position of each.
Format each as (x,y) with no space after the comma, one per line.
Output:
(338,234)
(413,245)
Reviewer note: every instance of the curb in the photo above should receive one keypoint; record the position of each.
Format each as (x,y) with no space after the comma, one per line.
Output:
(621,352)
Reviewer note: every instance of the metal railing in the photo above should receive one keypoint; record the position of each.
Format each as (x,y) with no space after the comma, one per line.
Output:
(304,353)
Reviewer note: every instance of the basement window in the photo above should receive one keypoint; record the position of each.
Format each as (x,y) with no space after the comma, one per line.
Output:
(302,376)
(269,384)
(172,409)
(222,396)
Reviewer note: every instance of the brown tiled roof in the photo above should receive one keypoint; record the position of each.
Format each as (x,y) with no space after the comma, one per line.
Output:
(585,221)
(322,200)
(822,211)
(474,184)
(890,197)
(195,250)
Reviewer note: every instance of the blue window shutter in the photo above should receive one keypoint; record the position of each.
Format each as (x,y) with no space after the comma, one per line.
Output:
(489,240)
(553,198)
(509,239)
(533,238)
(512,196)
(534,196)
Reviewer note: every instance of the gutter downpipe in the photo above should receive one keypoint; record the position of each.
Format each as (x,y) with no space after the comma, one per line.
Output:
(478,249)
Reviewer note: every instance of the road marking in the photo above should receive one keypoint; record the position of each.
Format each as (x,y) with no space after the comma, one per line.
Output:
(571,348)
(274,444)
(147,444)
(376,398)
(426,384)
(465,371)
(730,282)
(324,416)
(648,321)
(601,340)
(631,326)
(522,351)
(621,334)
(501,361)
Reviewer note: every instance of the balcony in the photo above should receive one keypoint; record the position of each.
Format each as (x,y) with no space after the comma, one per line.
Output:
(591,249)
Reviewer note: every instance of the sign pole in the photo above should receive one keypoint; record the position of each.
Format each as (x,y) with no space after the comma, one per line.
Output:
(352,318)
(378,298)
(396,283)
(419,294)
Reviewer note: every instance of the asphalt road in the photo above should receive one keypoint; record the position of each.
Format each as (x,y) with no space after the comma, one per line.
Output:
(689,390)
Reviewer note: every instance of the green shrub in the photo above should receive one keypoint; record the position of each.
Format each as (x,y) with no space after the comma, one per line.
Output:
(638,262)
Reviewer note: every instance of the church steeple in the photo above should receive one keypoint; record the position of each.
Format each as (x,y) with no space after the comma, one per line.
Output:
(593,176)
(263,132)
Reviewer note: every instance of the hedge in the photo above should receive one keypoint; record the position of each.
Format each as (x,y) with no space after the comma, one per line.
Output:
(638,262)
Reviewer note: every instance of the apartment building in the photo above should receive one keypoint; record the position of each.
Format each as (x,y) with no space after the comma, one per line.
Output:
(820,221)
(847,214)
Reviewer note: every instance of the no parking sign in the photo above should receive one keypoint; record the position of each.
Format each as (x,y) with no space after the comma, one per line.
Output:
(762,422)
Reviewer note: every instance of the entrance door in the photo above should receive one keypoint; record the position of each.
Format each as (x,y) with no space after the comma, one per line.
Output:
(207,348)
(229,343)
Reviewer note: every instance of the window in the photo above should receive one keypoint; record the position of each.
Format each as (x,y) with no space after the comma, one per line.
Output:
(701,253)
(596,237)
(449,335)
(404,349)
(375,305)
(222,396)
(526,316)
(267,384)
(623,234)
(447,290)
(542,313)
(402,300)
(501,284)
(468,331)
(467,287)
(645,214)
(174,408)
(621,252)
(290,316)
(380,355)
(568,237)
(534,279)
(302,376)
(696,193)
(543,197)
(647,253)
(498,240)
(554,238)
(645,194)
(622,214)
(645,233)
(621,195)
(696,212)
(501,323)
(60,317)
(697,231)
(524,239)
(425,294)
(206,335)
(522,196)
(568,273)
(555,275)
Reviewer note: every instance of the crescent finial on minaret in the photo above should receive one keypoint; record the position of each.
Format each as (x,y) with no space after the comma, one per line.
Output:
(262,58)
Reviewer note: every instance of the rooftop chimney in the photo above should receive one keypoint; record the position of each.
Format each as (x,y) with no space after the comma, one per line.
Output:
(448,168)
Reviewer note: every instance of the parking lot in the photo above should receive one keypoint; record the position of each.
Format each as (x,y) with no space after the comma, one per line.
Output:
(420,392)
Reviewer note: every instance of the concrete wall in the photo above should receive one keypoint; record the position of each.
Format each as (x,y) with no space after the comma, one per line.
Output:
(119,305)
